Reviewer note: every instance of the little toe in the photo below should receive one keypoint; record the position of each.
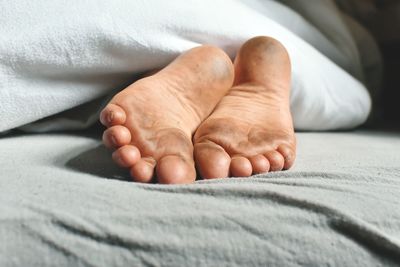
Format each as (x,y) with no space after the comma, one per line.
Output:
(288,155)
(240,167)
(116,136)
(112,115)
(126,156)
(276,160)
(143,170)
(211,160)
(173,169)
(260,164)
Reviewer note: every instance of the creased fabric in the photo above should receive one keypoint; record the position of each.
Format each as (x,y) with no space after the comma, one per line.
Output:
(55,57)
(70,206)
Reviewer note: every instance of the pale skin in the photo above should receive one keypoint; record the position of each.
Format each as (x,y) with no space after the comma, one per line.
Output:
(204,112)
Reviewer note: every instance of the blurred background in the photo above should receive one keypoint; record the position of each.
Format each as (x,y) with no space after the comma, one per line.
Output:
(385,26)
(382,18)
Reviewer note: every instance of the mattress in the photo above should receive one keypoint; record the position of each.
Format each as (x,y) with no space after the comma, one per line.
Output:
(64,203)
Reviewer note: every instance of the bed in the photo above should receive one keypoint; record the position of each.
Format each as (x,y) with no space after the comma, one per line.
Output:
(66,205)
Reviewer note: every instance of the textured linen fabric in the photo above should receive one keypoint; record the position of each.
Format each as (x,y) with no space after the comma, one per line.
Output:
(55,57)
(63,203)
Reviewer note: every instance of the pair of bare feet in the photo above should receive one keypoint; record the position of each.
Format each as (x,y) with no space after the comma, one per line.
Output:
(204,112)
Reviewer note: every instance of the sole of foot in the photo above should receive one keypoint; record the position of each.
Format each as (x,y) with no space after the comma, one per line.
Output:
(251,129)
(150,124)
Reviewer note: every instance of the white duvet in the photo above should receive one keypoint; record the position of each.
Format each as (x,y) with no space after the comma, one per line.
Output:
(56,55)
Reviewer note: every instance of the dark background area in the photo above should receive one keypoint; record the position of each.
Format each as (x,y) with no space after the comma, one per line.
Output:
(382,19)
(391,82)
(384,23)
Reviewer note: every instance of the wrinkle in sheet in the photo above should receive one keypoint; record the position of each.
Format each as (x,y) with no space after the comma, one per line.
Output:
(371,238)
(57,246)
(337,217)
(78,226)
(258,234)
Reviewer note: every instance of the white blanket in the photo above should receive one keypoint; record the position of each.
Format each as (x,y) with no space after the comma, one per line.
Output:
(56,55)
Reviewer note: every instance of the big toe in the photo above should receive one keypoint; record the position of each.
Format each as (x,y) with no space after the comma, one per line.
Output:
(211,160)
(112,115)
(173,169)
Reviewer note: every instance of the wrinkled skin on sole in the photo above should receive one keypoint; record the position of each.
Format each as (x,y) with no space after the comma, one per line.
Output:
(202,111)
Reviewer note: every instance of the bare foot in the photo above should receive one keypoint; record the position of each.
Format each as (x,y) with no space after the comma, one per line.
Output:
(151,123)
(251,129)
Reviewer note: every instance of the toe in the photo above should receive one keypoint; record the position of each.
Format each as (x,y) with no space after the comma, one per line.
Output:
(259,163)
(211,160)
(143,170)
(116,136)
(126,156)
(276,160)
(240,167)
(112,115)
(173,169)
(288,155)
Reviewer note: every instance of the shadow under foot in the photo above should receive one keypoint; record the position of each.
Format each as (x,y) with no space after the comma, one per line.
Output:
(97,161)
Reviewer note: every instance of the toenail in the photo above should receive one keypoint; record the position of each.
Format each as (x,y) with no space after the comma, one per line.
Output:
(110,116)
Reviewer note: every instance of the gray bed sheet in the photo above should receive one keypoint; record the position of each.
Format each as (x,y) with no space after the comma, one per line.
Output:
(63,203)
